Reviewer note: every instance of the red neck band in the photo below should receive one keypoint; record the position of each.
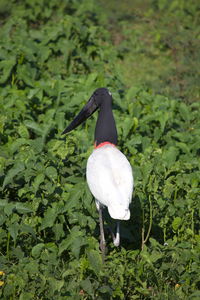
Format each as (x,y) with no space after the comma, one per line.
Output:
(103,144)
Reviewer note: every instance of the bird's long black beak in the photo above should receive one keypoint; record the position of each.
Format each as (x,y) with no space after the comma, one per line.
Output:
(85,113)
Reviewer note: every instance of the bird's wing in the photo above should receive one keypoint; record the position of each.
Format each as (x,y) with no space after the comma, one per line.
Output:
(110,179)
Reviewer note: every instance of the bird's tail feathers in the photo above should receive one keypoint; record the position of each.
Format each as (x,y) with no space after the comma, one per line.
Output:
(119,212)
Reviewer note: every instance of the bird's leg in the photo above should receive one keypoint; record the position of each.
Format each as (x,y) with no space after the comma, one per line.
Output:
(116,239)
(102,237)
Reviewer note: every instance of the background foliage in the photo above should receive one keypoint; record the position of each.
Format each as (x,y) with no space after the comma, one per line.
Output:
(53,54)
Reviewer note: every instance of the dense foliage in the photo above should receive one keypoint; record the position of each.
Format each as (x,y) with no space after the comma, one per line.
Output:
(53,54)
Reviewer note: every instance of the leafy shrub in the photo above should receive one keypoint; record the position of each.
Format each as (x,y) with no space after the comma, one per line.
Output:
(53,55)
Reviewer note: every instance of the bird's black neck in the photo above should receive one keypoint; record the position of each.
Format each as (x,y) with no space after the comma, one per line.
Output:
(105,130)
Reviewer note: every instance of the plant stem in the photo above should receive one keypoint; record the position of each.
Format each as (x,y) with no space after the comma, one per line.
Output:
(144,240)
(8,246)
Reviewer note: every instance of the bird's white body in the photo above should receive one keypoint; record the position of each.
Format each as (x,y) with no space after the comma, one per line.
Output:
(110,179)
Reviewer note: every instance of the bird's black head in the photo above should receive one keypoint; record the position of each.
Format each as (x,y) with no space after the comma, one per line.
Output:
(99,99)
(101,96)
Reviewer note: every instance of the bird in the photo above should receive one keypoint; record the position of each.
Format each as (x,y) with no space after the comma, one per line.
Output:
(108,172)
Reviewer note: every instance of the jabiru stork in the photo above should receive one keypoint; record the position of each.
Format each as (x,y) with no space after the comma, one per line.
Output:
(109,173)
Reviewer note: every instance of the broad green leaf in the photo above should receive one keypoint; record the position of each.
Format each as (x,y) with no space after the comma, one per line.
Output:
(36,250)
(170,155)
(13,230)
(76,245)
(59,231)
(34,126)
(51,172)
(105,289)
(3,218)
(26,296)
(28,229)
(155,256)
(18,143)
(95,261)
(87,286)
(22,209)
(184,111)
(3,120)
(26,73)
(18,253)
(38,180)
(15,170)
(64,245)
(6,67)
(58,284)
(23,132)
(176,223)
(8,209)
(74,240)
(49,218)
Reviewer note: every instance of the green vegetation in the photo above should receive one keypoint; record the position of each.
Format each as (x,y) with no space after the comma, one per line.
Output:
(158,43)
(53,55)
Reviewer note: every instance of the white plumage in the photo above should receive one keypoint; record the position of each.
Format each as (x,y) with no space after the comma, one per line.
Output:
(110,179)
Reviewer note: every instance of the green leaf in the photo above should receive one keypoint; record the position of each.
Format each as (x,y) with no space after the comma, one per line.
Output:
(6,66)
(105,289)
(170,155)
(184,111)
(74,241)
(36,250)
(76,245)
(28,229)
(13,230)
(26,296)
(22,209)
(8,209)
(38,180)
(95,261)
(155,256)
(26,73)
(51,172)
(34,126)
(23,132)
(18,167)
(87,286)
(57,285)
(18,143)
(64,245)
(58,230)
(49,218)
(176,223)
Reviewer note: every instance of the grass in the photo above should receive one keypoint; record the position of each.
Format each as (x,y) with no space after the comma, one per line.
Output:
(158,44)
